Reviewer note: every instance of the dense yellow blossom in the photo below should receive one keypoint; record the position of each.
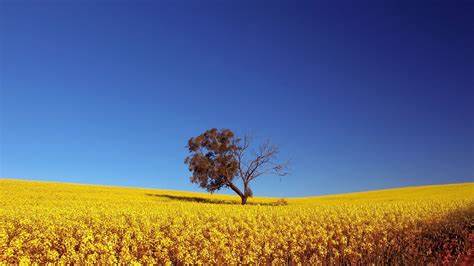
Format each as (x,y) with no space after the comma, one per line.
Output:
(65,223)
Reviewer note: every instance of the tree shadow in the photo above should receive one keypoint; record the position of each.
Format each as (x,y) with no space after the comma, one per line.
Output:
(208,200)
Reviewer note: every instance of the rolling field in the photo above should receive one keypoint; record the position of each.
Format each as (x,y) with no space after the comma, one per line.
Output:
(68,223)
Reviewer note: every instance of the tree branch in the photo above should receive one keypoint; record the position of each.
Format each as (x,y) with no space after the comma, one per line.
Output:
(235,189)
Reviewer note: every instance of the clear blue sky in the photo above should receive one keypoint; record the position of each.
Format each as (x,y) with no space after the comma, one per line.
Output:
(367,96)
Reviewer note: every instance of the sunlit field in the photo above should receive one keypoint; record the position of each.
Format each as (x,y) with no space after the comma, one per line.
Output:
(67,223)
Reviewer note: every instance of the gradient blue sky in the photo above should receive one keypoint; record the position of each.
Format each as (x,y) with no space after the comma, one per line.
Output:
(359,96)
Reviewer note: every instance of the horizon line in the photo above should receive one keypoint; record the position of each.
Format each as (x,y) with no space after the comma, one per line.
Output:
(222,194)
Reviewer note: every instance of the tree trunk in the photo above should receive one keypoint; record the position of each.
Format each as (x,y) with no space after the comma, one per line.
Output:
(237,190)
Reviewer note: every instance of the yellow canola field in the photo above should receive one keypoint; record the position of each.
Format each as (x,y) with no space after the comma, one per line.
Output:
(43,222)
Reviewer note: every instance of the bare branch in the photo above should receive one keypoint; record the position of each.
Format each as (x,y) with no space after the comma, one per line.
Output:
(264,162)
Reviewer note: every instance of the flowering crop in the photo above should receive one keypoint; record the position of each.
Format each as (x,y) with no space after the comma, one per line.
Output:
(44,222)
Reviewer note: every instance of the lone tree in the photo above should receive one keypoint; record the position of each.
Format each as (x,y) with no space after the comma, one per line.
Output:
(218,157)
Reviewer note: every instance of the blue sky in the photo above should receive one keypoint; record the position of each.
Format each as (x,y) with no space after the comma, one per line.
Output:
(359,96)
